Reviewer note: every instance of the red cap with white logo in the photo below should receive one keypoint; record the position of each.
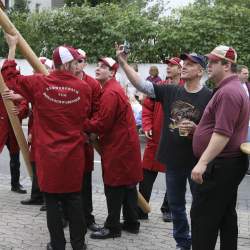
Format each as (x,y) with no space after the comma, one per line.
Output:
(110,62)
(63,54)
(47,62)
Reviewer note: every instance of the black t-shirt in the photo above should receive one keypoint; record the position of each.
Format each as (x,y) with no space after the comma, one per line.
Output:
(174,150)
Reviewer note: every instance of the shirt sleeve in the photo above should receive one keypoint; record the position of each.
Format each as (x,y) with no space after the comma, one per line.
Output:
(23,85)
(162,92)
(228,108)
(105,117)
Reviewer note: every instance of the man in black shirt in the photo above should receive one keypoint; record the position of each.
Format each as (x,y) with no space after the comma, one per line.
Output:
(183,107)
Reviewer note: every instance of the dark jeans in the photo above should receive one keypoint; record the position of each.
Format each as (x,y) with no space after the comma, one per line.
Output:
(77,228)
(86,195)
(213,207)
(176,180)
(36,194)
(146,186)
(116,198)
(15,169)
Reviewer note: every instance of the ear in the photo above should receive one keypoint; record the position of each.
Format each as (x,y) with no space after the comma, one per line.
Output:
(227,66)
(201,72)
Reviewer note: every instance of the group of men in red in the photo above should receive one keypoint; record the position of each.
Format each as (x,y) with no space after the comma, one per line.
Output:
(71,111)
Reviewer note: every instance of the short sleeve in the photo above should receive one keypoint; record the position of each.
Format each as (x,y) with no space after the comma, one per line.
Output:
(228,108)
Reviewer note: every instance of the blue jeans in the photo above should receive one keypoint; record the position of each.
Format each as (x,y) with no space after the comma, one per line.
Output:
(176,181)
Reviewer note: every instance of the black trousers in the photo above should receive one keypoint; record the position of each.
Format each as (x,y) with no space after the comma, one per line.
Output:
(146,186)
(77,228)
(36,193)
(214,201)
(121,197)
(15,169)
(86,194)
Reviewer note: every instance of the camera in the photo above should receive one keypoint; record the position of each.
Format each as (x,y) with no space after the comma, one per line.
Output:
(126,47)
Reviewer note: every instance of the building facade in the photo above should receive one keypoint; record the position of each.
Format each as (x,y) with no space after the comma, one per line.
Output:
(37,5)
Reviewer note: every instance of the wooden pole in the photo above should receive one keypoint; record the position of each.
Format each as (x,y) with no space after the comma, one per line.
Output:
(16,125)
(142,203)
(31,57)
(24,47)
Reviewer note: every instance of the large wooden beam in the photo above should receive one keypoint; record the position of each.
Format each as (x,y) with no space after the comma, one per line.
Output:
(23,46)
(16,125)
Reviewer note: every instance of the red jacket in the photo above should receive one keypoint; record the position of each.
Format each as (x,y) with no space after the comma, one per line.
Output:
(7,135)
(61,102)
(152,119)
(95,104)
(119,142)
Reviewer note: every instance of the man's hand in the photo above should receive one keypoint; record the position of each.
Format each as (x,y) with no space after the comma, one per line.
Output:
(15,110)
(187,127)
(11,95)
(11,40)
(121,56)
(198,171)
(29,138)
(149,134)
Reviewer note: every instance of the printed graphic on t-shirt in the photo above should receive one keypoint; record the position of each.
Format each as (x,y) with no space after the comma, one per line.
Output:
(180,111)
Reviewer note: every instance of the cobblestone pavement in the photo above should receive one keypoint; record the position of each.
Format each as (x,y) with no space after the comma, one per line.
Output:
(24,227)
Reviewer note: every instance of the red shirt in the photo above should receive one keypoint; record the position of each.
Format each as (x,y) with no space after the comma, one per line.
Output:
(119,142)
(95,88)
(227,114)
(61,102)
(7,135)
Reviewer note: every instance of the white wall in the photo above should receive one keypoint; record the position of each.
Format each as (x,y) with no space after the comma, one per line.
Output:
(26,69)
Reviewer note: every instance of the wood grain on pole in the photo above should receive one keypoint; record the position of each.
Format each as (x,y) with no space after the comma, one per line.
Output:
(16,125)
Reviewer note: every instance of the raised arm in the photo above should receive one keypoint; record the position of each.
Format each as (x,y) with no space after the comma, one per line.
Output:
(145,87)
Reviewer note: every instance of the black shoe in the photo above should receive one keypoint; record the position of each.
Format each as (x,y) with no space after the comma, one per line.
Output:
(18,189)
(94,227)
(167,217)
(105,233)
(133,229)
(31,202)
(43,208)
(49,247)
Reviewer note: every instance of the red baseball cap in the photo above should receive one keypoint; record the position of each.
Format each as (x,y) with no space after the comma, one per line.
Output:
(174,61)
(223,52)
(65,54)
(46,61)
(110,62)
(82,53)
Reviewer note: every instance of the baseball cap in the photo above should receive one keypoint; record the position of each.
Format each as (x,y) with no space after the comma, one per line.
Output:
(46,61)
(223,52)
(174,60)
(82,53)
(196,58)
(65,54)
(110,62)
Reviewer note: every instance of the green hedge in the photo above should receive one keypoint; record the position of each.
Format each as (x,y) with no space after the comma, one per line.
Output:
(95,29)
